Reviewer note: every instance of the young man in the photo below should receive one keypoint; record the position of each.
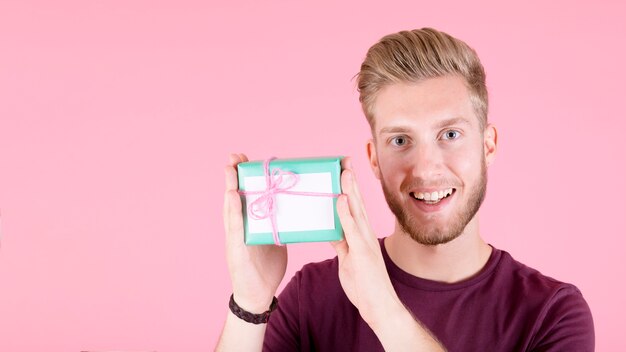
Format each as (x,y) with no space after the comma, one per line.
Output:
(433,284)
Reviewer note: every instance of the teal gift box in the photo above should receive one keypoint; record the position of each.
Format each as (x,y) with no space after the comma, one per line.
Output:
(298,218)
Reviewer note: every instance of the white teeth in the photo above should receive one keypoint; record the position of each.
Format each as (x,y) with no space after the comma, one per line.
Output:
(433,196)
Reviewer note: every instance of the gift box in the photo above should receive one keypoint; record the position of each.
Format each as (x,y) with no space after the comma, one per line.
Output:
(290,200)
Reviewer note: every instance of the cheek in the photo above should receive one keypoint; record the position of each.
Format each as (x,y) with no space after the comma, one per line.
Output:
(392,168)
(466,164)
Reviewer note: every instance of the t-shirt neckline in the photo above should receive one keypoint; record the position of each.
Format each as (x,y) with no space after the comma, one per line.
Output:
(430,285)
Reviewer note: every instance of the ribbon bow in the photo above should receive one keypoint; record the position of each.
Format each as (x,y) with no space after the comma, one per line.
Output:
(278,181)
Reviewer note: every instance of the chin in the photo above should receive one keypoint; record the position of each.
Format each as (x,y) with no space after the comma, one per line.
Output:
(431,236)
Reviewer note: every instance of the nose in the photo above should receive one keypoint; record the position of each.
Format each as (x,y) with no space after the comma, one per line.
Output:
(427,161)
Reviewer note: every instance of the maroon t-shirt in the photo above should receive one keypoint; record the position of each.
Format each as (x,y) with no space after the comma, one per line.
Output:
(507,306)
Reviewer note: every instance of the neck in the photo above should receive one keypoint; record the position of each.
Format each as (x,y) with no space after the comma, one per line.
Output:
(452,262)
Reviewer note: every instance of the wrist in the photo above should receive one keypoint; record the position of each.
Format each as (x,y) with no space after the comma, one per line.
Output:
(251,317)
(398,328)
(251,304)
(387,312)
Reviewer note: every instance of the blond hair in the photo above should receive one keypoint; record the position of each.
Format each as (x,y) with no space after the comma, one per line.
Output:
(412,56)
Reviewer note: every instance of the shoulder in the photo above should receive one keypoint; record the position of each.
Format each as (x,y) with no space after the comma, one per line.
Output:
(559,311)
(529,281)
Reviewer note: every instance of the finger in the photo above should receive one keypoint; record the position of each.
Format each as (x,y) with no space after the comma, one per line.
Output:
(341,247)
(349,187)
(230,178)
(233,218)
(356,203)
(357,209)
(243,157)
(359,198)
(350,228)
(346,163)
(226,213)
(233,159)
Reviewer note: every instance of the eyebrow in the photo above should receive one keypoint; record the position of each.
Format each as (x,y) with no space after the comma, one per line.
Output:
(453,121)
(394,129)
(440,124)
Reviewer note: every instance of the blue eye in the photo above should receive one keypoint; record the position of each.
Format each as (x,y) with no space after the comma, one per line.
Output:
(399,141)
(451,134)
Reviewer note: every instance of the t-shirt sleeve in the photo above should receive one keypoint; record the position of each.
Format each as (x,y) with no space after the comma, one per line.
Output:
(567,325)
(282,333)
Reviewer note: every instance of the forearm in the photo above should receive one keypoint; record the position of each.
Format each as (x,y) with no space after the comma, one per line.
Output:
(239,335)
(398,330)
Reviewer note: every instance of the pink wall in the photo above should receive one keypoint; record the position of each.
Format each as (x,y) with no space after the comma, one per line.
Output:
(116,118)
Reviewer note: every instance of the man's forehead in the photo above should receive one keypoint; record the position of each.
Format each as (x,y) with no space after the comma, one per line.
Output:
(434,102)
(406,127)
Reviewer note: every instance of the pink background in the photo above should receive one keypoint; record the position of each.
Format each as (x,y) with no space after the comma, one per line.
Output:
(116,118)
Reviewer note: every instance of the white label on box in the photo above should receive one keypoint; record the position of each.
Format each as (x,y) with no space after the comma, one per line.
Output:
(295,212)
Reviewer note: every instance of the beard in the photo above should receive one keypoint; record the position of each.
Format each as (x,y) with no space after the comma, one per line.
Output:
(429,233)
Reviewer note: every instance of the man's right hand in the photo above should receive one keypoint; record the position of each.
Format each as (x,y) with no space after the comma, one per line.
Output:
(255,271)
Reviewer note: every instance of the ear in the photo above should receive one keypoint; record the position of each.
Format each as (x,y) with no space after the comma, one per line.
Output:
(373,157)
(490,143)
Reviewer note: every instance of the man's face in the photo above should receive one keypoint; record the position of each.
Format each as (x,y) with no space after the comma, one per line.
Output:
(431,156)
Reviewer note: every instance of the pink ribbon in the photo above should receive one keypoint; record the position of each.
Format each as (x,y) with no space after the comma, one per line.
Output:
(264,206)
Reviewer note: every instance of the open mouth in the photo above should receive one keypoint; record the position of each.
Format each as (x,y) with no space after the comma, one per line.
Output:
(435,197)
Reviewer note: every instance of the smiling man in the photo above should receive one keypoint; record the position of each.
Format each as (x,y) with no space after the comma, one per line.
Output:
(433,284)
(430,151)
